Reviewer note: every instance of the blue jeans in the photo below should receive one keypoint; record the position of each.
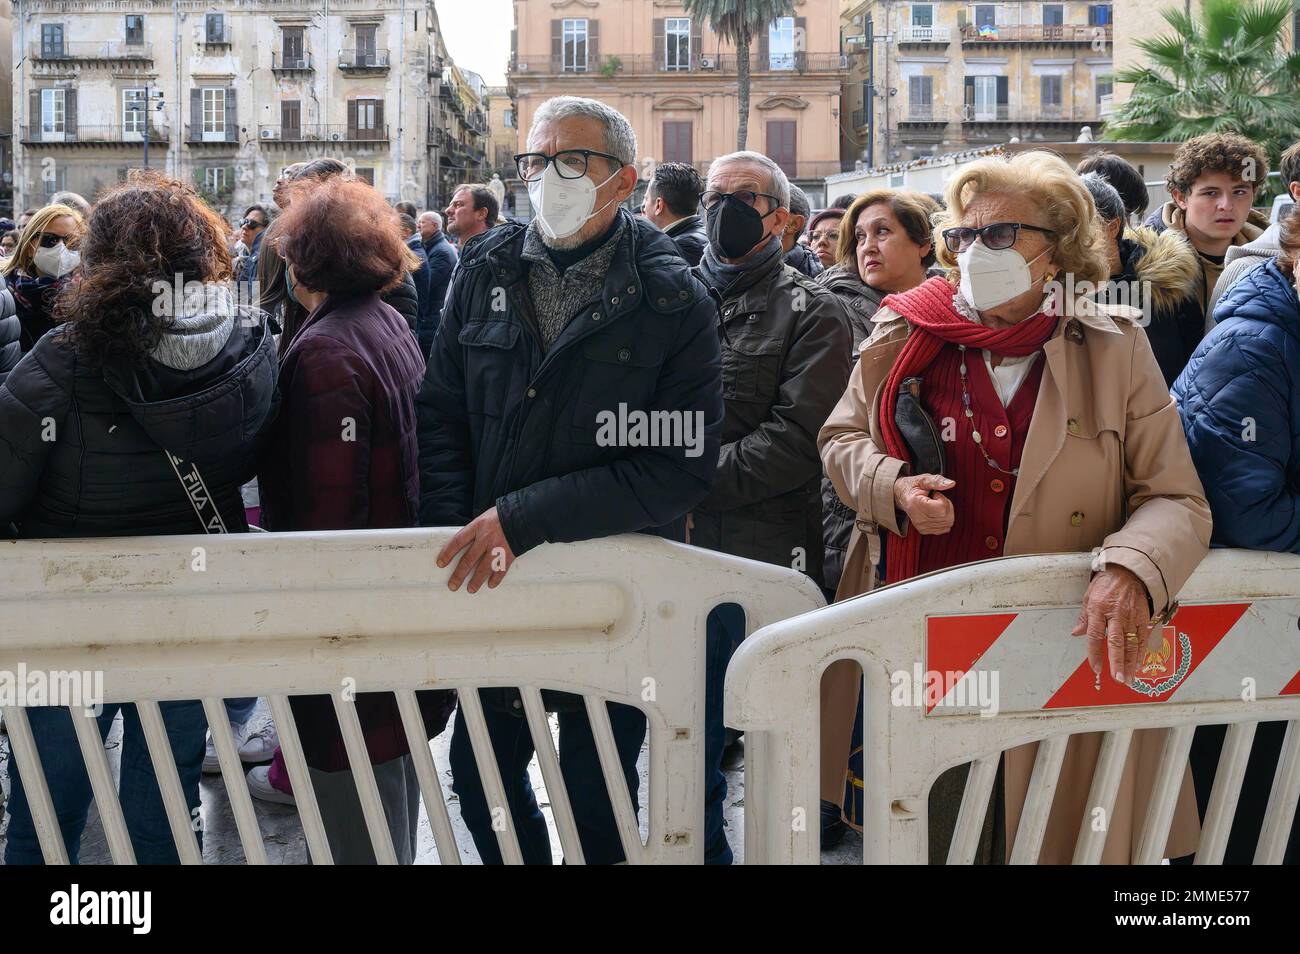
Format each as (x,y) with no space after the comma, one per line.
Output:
(580,766)
(65,774)
(239,710)
(724,632)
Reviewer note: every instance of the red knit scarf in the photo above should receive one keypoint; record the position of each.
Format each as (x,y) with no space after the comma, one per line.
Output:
(935,322)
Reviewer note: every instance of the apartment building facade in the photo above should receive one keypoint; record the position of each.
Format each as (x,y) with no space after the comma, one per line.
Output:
(927,78)
(503,139)
(227,94)
(676,80)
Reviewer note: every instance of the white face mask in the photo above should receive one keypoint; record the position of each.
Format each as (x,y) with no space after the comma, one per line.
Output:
(57,261)
(563,205)
(991,277)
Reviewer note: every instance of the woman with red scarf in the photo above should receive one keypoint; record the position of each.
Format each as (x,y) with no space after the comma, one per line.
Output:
(988,416)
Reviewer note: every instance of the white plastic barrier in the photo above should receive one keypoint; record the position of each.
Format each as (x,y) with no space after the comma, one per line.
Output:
(276,615)
(1235,638)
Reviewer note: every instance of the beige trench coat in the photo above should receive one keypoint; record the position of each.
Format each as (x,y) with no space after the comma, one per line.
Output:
(1105,440)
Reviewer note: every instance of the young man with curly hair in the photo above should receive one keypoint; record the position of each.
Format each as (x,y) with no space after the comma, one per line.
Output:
(1213,181)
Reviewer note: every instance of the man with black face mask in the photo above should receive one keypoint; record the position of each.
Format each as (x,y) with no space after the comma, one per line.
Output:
(785,364)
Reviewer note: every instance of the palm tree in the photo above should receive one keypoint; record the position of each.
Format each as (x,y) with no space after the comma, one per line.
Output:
(739,21)
(1226,71)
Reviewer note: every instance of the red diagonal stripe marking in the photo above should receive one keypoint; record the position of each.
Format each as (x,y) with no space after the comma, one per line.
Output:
(955,643)
(1205,626)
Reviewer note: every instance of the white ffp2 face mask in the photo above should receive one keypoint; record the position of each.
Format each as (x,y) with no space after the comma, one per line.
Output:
(991,277)
(57,261)
(563,205)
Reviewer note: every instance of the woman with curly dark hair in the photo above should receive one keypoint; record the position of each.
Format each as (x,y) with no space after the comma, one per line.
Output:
(143,382)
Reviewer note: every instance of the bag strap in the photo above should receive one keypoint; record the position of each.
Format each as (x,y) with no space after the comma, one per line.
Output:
(197,493)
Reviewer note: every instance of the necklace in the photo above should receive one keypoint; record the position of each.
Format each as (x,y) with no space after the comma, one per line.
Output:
(970,416)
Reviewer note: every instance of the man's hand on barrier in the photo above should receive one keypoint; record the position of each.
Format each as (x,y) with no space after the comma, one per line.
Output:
(487,553)
(1116,618)
(929,514)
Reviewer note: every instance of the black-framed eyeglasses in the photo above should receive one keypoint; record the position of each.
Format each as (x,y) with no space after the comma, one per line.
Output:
(995,236)
(713,197)
(569,163)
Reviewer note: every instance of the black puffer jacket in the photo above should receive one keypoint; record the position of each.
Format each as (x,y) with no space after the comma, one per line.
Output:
(785,363)
(690,237)
(34,298)
(860,302)
(105,473)
(406,300)
(11,332)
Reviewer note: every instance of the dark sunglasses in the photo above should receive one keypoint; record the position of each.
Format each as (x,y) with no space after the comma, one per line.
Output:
(49,239)
(250,224)
(996,236)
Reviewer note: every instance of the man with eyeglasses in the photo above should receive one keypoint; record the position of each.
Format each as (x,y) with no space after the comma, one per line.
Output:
(785,363)
(798,255)
(547,330)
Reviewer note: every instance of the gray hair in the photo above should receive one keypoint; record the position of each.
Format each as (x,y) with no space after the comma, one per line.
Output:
(1105,197)
(432,214)
(73,200)
(620,140)
(777,182)
(799,204)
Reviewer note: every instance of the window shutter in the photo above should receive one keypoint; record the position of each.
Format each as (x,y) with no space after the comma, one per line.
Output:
(763,58)
(34,114)
(593,44)
(697,44)
(70,113)
(232,126)
(196,114)
(352,119)
(379,118)
(557,44)
(1002,91)
(660,47)
(801,48)
(969,91)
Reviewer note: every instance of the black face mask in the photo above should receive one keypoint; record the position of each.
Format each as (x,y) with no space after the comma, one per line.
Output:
(735,227)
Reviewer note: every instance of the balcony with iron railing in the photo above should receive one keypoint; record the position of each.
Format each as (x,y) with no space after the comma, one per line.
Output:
(363,61)
(1043,113)
(227,135)
(216,36)
(300,63)
(645,64)
(38,133)
(64,52)
(922,113)
(268,134)
(924,34)
(1036,33)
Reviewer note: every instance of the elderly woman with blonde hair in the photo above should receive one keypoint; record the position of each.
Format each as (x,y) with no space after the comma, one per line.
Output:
(1065,439)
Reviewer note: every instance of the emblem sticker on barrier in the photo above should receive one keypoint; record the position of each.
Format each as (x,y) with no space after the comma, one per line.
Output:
(1028,661)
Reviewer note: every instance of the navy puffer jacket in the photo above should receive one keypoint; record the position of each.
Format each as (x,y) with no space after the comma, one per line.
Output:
(1239,398)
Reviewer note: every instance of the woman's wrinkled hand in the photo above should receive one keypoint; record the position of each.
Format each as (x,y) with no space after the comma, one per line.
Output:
(1116,618)
(929,511)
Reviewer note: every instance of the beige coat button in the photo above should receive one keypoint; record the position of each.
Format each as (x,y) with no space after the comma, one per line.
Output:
(1076,519)
(1072,426)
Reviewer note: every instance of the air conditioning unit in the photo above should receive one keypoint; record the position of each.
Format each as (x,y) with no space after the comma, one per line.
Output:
(336,137)
(268,133)
(523,67)
(708,63)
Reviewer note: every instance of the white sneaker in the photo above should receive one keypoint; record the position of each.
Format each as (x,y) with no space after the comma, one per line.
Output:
(260,787)
(260,744)
(211,763)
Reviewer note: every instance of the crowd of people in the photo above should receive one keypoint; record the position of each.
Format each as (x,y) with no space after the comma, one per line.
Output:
(895,384)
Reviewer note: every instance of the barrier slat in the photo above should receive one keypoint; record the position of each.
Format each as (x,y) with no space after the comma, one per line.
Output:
(503,822)
(974,809)
(1038,801)
(426,770)
(40,804)
(1164,795)
(363,774)
(1101,797)
(169,783)
(556,790)
(101,783)
(232,773)
(1228,776)
(1282,799)
(304,793)
(615,784)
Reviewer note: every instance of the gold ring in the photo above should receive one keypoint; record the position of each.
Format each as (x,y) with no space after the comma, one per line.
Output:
(1131,637)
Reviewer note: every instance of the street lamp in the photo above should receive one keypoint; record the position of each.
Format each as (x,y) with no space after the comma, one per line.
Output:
(151,96)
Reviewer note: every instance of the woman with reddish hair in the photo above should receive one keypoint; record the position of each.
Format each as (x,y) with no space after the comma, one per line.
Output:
(344,457)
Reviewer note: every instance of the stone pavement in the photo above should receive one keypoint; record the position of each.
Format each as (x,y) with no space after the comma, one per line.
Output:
(285,843)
